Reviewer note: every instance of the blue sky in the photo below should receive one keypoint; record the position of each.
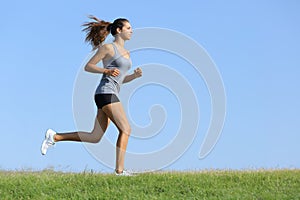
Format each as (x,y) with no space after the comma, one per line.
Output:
(255,45)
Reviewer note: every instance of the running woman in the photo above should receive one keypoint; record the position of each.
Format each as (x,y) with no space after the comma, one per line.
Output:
(116,61)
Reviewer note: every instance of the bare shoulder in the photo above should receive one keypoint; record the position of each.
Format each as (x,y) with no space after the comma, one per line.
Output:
(104,52)
(106,49)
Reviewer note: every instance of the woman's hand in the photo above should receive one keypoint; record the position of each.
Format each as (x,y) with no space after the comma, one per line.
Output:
(112,72)
(138,72)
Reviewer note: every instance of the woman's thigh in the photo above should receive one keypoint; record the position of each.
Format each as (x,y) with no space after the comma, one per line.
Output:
(117,115)
(101,122)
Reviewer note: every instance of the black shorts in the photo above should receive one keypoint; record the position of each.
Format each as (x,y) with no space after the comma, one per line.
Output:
(104,99)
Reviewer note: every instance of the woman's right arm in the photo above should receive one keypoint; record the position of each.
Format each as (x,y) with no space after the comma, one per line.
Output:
(92,67)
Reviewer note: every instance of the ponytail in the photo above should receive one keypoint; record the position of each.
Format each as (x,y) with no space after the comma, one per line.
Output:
(97,31)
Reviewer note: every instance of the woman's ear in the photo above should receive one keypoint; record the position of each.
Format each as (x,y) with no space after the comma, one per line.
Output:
(118,30)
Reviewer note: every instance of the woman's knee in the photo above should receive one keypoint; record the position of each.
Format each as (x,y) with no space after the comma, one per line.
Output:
(96,139)
(95,136)
(126,130)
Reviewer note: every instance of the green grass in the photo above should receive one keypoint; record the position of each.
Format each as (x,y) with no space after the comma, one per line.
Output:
(273,184)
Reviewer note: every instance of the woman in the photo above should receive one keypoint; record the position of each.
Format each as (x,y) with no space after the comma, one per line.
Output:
(116,62)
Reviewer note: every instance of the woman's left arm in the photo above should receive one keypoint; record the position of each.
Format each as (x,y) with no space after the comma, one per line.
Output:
(137,73)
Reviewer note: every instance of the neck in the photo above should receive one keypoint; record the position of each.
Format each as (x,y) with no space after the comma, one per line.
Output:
(119,41)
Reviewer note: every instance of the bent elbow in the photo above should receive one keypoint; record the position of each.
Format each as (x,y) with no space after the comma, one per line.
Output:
(86,68)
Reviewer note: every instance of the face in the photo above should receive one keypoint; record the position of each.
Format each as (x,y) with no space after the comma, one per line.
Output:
(126,31)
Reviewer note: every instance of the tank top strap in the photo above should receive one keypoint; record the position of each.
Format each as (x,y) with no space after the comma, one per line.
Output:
(115,49)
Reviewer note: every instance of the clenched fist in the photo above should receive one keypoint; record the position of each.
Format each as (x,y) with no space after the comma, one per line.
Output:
(112,72)
(138,72)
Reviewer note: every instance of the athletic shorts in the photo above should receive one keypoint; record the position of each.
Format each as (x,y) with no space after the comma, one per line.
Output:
(104,99)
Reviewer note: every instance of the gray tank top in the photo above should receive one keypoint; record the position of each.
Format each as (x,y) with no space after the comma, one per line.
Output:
(110,84)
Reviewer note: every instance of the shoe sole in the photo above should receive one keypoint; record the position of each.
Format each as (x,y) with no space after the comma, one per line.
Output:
(47,135)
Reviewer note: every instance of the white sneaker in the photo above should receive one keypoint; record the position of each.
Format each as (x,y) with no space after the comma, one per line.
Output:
(124,173)
(48,141)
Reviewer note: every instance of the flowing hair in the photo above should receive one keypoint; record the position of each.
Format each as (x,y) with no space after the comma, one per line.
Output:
(98,30)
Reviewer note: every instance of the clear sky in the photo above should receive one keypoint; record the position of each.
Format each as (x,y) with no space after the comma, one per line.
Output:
(254,44)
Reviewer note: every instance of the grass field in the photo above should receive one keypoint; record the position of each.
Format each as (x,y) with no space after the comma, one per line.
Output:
(274,184)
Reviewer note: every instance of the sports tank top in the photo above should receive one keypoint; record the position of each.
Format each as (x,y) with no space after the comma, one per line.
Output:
(110,84)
